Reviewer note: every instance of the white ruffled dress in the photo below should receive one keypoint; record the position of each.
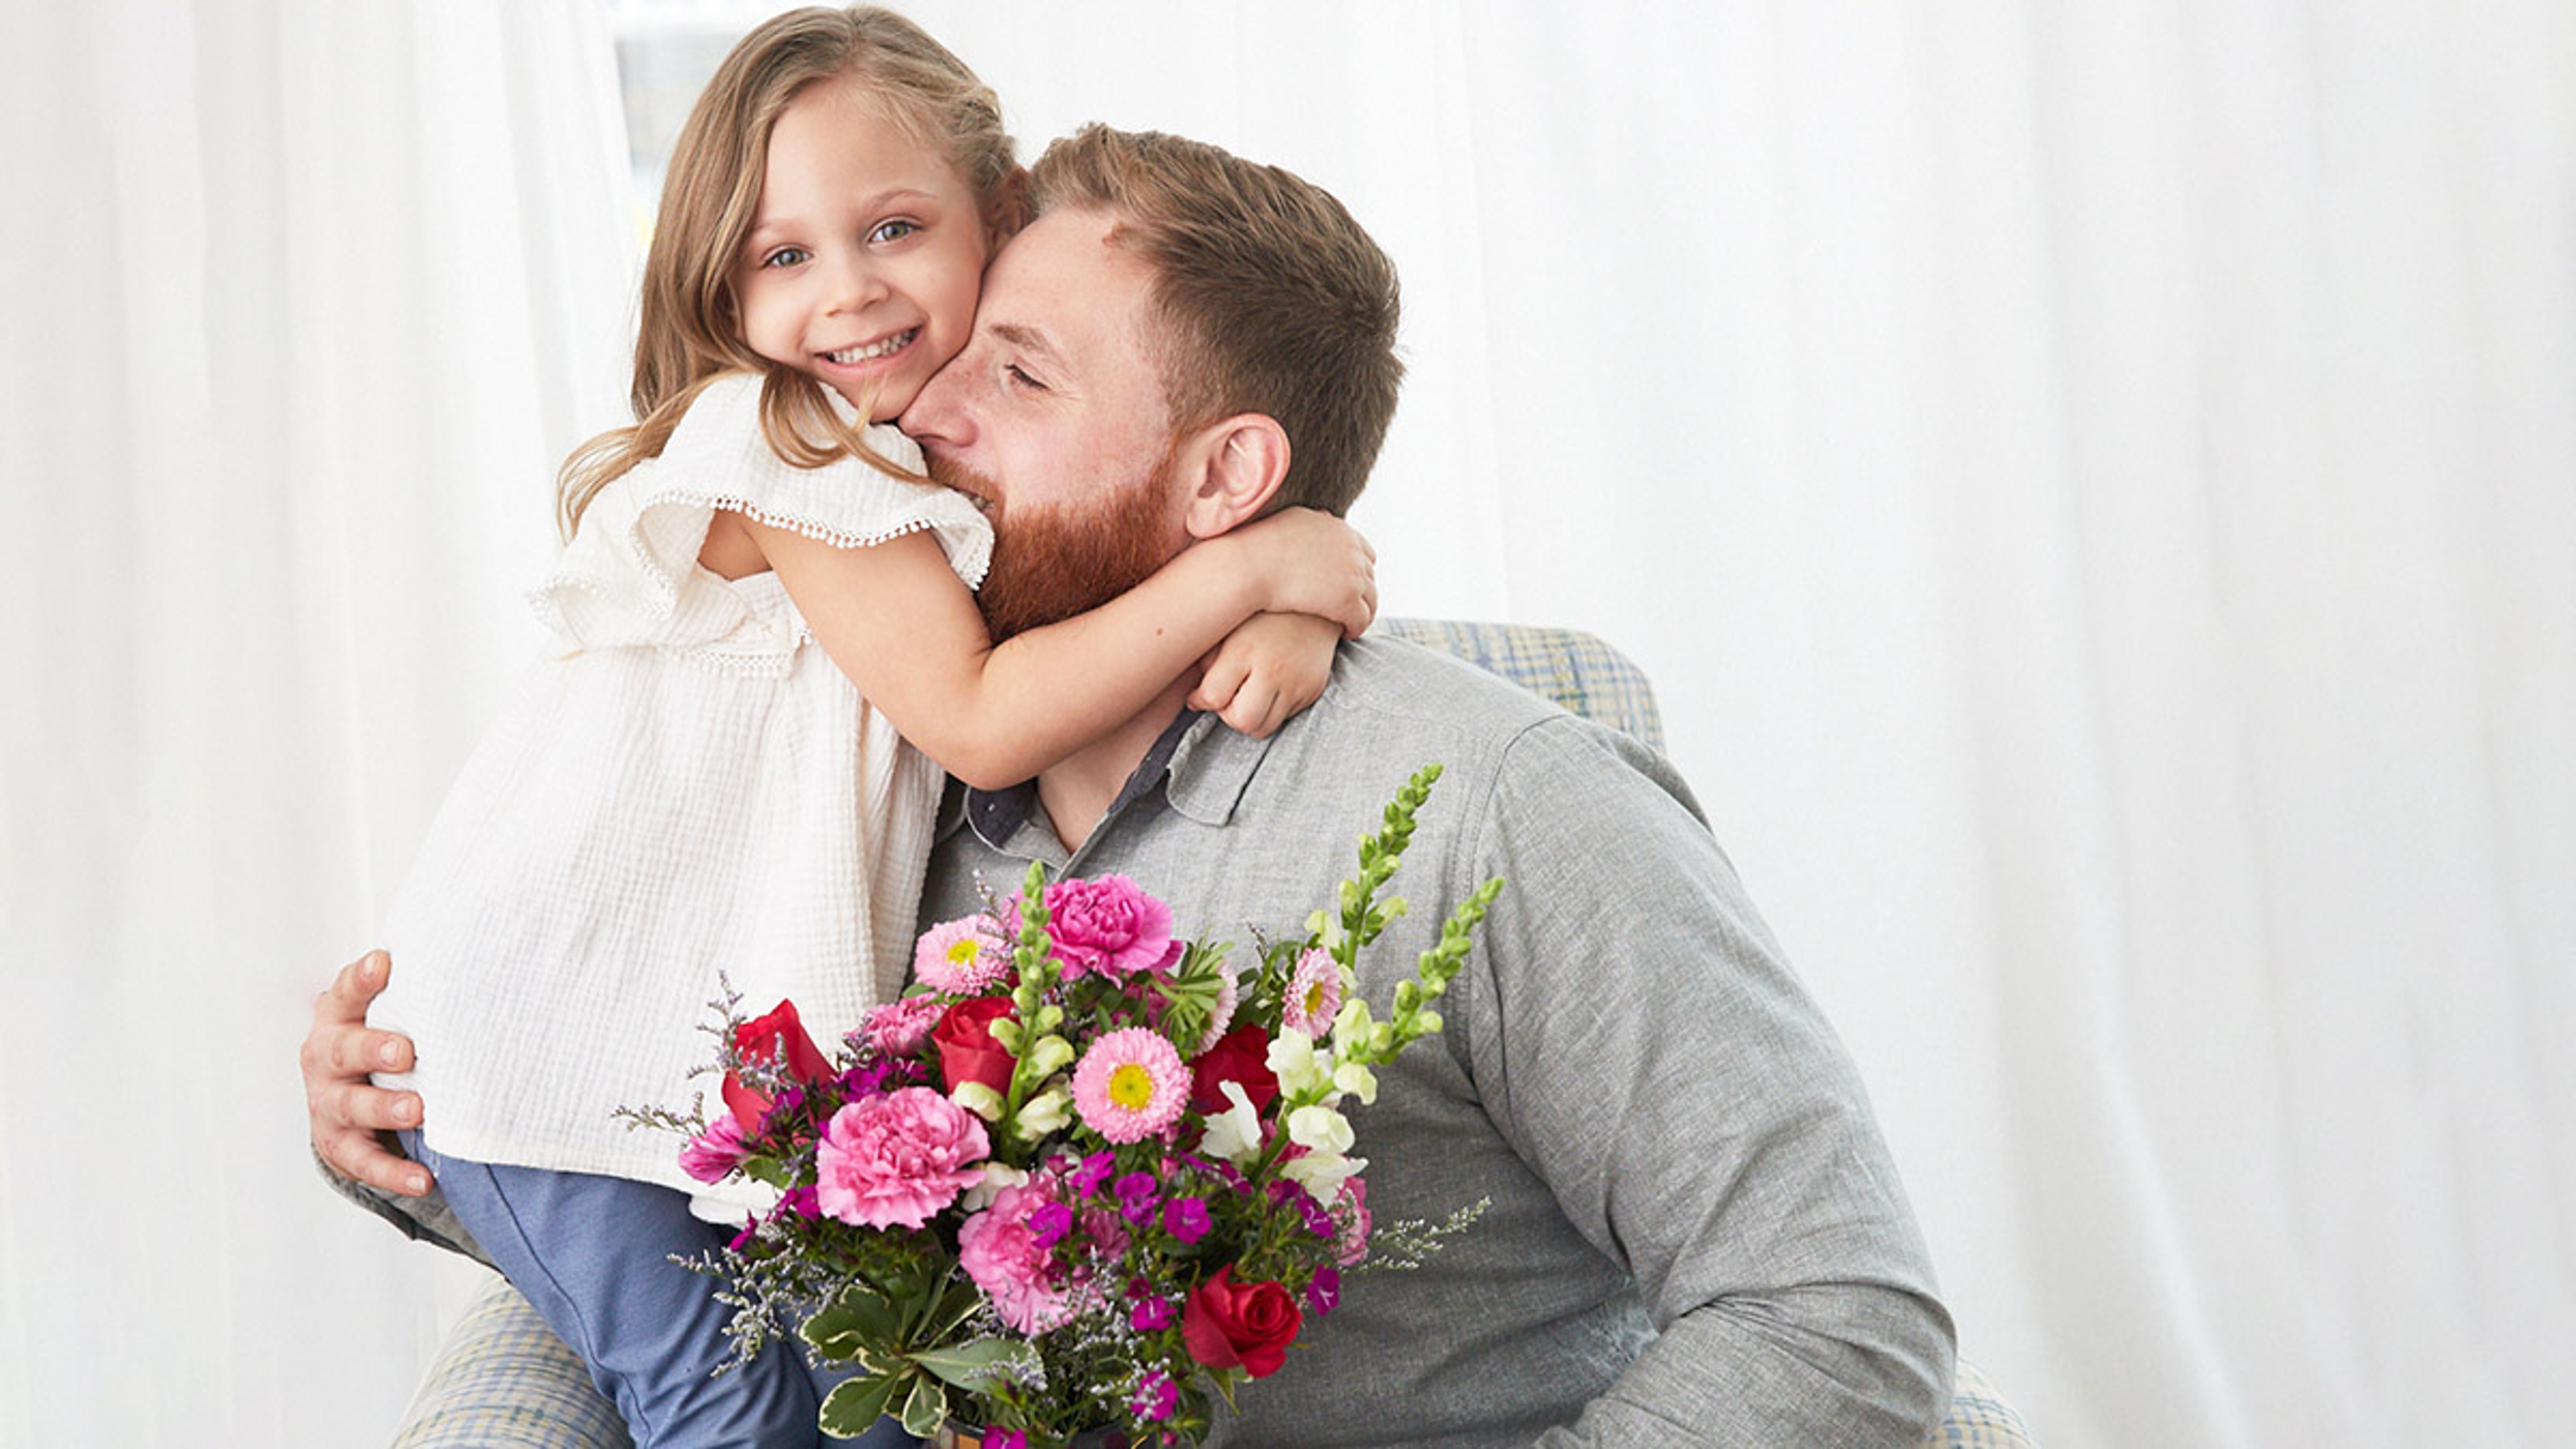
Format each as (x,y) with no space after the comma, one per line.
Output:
(689,786)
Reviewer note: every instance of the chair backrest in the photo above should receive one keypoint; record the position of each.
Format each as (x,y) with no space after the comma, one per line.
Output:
(1573,668)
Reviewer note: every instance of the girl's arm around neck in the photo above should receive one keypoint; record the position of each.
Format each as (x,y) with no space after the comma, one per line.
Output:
(898,622)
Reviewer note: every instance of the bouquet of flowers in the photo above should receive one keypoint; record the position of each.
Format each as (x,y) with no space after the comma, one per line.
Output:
(1084,1173)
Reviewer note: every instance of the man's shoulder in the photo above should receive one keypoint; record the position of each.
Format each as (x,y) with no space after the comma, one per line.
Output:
(1396,695)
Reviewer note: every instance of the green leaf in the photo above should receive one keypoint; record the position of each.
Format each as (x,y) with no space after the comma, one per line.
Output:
(859,1318)
(854,1405)
(925,1408)
(950,1310)
(974,1366)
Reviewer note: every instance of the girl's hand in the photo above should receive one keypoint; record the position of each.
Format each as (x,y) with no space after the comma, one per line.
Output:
(1269,668)
(1314,564)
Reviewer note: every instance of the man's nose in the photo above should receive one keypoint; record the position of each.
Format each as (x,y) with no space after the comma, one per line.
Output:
(938,413)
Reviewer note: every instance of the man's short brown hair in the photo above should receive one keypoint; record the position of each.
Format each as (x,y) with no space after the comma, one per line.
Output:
(1272,298)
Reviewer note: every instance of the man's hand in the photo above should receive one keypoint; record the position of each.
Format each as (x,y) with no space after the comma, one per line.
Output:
(350,1116)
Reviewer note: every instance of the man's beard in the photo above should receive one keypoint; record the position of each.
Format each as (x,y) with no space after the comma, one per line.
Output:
(1050,564)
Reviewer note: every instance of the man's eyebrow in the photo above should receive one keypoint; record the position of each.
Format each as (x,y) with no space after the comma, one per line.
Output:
(1030,339)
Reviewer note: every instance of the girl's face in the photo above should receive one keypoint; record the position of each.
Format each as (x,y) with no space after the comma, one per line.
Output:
(865,254)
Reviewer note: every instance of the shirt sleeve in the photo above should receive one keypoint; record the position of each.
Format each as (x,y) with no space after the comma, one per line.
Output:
(1637,1038)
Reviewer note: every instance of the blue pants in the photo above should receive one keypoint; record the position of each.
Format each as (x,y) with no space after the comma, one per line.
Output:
(592,1254)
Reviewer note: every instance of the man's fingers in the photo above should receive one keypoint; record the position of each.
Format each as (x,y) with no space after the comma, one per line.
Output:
(363,1157)
(357,984)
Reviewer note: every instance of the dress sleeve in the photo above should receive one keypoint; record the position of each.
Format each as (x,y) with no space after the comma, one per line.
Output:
(630,576)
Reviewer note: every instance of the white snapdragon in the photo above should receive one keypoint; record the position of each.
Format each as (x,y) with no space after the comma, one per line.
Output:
(1235,1133)
(1294,1062)
(996,1177)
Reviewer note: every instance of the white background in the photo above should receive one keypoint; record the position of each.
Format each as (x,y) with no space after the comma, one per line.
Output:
(2095,488)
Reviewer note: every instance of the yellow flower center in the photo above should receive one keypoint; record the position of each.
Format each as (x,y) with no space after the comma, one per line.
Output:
(1314,998)
(962,951)
(1131,1087)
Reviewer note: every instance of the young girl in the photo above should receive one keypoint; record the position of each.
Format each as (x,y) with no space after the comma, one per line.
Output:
(692,785)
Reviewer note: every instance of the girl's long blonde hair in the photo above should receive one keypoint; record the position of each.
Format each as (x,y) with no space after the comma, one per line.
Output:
(689,332)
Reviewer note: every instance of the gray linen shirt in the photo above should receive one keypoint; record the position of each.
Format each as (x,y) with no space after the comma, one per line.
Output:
(1696,1235)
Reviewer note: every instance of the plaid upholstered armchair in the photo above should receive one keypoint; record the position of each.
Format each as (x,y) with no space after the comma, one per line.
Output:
(503,1379)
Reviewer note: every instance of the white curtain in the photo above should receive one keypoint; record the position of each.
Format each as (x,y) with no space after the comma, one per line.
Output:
(2095,488)
(302,304)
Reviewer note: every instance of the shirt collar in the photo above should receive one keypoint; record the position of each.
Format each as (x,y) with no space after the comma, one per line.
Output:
(1202,766)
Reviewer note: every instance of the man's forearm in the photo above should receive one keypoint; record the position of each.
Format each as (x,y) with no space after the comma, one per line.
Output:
(422,1219)
(1828,1364)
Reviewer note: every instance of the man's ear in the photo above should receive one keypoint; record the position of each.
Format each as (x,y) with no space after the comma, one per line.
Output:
(1234,467)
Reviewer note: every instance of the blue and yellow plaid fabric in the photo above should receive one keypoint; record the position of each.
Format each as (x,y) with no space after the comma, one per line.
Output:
(1569,666)
(502,1379)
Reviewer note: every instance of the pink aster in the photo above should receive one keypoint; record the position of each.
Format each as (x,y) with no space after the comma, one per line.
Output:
(894,1160)
(1130,1085)
(1220,1015)
(1314,995)
(960,957)
(902,1028)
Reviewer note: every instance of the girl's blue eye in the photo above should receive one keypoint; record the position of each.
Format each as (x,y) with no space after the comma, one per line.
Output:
(785,257)
(893,231)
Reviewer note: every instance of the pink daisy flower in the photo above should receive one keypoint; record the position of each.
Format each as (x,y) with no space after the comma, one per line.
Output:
(1130,1085)
(1220,1016)
(1314,995)
(960,957)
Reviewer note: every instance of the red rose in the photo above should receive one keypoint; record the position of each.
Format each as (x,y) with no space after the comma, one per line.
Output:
(967,1051)
(760,1040)
(1241,1055)
(1225,1323)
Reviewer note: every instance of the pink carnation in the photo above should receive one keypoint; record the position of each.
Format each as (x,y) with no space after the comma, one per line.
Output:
(1130,1085)
(902,1028)
(1314,995)
(716,1152)
(960,957)
(1110,926)
(999,1250)
(892,1161)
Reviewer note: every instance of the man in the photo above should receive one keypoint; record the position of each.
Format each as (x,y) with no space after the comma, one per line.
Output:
(1695,1234)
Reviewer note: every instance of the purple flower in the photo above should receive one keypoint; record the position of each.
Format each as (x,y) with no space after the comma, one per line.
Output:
(801,1201)
(1049,1224)
(1136,1197)
(1156,1397)
(1094,1170)
(1186,1218)
(1151,1314)
(1324,1292)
